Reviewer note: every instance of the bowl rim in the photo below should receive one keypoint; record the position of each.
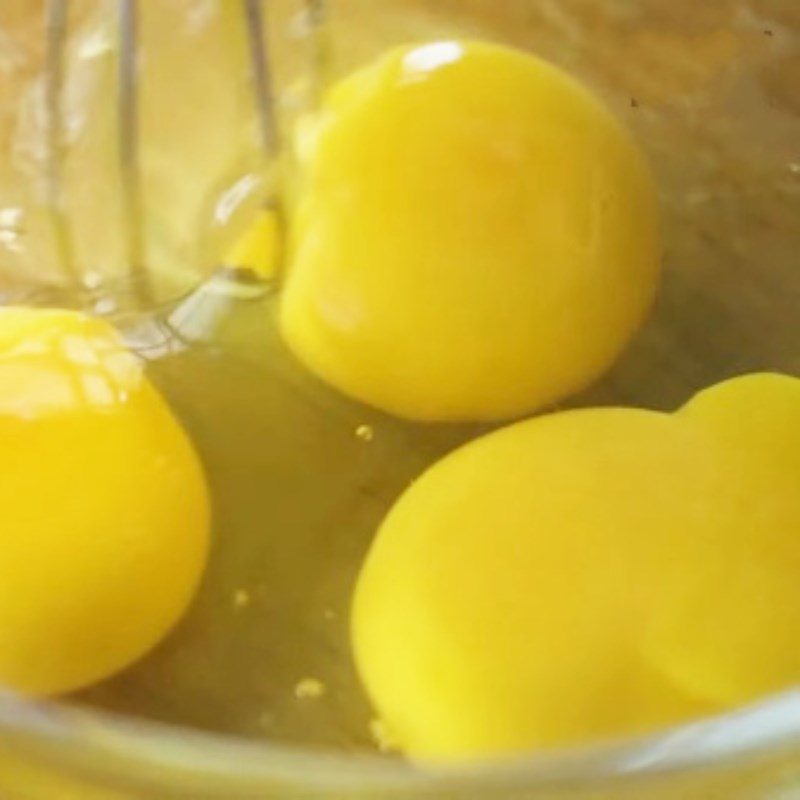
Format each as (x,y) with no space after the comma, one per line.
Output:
(122,752)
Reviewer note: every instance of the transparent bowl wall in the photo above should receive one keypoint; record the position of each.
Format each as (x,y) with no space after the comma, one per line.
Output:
(710,90)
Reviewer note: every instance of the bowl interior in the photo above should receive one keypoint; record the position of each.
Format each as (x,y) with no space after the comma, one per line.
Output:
(301,476)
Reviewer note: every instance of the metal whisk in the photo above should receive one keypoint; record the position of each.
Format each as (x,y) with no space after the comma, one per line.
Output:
(127,112)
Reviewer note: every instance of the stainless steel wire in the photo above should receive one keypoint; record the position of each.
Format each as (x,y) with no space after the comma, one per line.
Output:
(317,12)
(128,148)
(57,12)
(263,90)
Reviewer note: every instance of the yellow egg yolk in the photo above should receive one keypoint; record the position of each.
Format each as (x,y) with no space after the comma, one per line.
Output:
(258,248)
(103,505)
(589,574)
(474,235)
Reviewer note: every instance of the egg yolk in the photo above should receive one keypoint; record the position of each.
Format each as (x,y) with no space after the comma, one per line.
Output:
(474,235)
(589,574)
(258,248)
(103,505)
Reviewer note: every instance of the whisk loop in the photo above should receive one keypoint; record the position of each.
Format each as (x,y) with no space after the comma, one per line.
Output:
(132,199)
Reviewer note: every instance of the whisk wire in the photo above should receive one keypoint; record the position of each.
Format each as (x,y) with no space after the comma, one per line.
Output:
(128,133)
(317,11)
(56,16)
(128,145)
(263,90)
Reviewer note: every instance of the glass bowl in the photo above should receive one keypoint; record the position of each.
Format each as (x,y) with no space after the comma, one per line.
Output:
(254,696)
